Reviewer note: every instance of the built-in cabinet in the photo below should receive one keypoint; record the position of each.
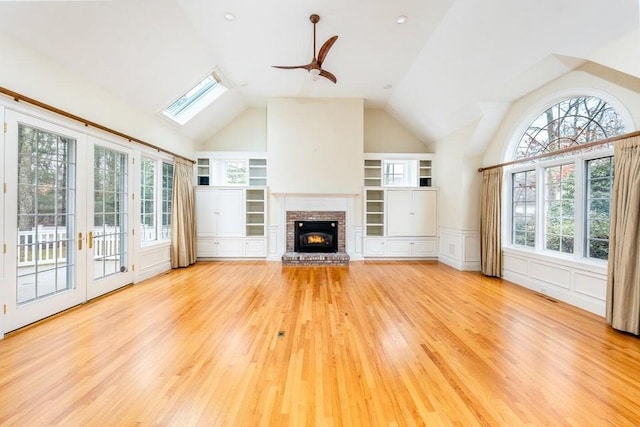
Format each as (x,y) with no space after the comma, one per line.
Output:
(230,222)
(400,223)
(411,212)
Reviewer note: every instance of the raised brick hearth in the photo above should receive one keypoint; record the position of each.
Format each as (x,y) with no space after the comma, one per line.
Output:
(318,258)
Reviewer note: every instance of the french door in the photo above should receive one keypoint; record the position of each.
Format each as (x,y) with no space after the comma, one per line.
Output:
(66,218)
(108,235)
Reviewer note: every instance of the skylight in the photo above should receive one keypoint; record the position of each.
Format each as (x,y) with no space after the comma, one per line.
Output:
(195,100)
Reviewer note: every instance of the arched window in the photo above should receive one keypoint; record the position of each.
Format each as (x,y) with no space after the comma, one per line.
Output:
(570,122)
(561,204)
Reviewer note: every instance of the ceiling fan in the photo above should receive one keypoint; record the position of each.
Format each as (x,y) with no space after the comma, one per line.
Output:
(315,66)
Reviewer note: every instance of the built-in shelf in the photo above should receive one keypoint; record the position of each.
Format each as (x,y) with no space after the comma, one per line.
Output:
(372,173)
(425,173)
(374,212)
(203,172)
(257,172)
(255,212)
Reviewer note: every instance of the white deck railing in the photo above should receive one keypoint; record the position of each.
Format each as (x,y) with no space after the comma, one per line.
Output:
(52,245)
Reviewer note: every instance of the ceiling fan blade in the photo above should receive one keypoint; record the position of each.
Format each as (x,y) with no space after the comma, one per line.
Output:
(325,49)
(328,75)
(292,67)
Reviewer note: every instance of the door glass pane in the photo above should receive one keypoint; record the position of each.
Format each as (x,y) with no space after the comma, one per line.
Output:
(109,213)
(46,206)
(148,201)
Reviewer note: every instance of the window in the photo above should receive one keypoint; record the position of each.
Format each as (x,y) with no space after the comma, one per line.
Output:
(559,207)
(235,172)
(195,99)
(167,196)
(577,186)
(398,173)
(156,189)
(599,185)
(148,200)
(524,208)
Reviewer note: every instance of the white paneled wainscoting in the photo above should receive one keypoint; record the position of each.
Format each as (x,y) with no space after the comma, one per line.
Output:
(460,249)
(152,260)
(582,284)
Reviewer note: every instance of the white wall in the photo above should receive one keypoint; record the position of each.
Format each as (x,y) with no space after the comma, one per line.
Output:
(384,134)
(315,145)
(455,174)
(32,75)
(247,132)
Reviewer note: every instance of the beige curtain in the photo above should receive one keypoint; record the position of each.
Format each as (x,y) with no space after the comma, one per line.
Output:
(490,212)
(623,284)
(183,215)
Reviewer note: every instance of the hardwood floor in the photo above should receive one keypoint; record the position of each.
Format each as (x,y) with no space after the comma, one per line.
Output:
(376,343)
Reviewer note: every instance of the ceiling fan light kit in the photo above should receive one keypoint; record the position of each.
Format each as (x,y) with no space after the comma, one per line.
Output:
(315,66)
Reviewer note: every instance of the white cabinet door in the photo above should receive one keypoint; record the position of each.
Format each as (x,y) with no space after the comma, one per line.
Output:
(411,213)
(424,208)
(400,212)
(424,248)
(206,247)
(230,213)
(399,248)
(206,208)
(230,248)
(374,247)
(255,248)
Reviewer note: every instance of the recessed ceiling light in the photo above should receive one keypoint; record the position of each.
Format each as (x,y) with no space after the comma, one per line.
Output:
(229,16)
(401,19)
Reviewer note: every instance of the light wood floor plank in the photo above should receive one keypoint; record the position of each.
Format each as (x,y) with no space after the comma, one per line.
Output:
(375,343)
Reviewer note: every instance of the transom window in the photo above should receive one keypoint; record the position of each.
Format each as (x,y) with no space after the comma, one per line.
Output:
(572,191)
(235,172)
(570,122)
(399,173)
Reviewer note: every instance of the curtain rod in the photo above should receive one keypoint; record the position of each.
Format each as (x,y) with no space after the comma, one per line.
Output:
(18,97)
(564,150)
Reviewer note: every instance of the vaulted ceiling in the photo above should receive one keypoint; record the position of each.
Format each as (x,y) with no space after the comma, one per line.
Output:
(452,63)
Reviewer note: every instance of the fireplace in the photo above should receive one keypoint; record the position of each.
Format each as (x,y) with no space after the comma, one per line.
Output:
(316,236)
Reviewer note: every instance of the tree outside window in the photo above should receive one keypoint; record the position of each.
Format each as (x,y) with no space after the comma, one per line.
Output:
(560,208)
(599,185)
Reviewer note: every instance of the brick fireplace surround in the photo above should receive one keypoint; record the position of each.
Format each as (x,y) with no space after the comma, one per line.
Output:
(297,258)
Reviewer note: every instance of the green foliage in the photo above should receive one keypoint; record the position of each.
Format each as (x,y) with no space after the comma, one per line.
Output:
(560,207)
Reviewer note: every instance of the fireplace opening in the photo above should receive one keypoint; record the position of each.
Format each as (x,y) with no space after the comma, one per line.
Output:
(316,236)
